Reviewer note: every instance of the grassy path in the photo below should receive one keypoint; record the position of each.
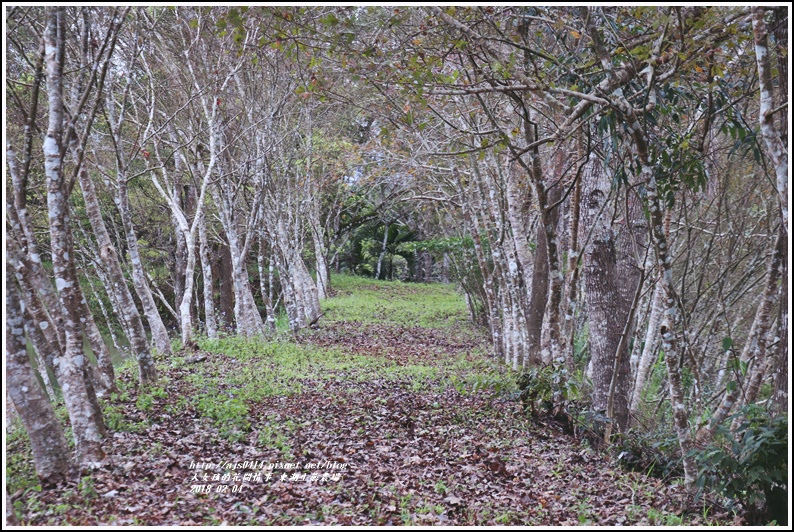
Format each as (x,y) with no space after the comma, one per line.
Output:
(387,414)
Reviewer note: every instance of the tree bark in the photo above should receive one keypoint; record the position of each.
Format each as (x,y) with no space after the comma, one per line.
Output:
(159,333)
(770,131)
(246,315)
(226,300)
(266,286)
(31,274)
(104,375)
(755,346)
(117,285)
(670,316)
(210,320)
(47,441)
(472,222)
(43,332)
(320,261)
(607,306)
(649,349)
(84,414)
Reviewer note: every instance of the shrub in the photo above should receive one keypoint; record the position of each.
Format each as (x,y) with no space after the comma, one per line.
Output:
(656,455)
(750,465)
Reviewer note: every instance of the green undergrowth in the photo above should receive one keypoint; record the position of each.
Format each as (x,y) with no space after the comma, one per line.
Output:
(367,301)
(240,372)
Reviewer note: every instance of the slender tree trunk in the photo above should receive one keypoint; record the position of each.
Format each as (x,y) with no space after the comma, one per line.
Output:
(226,302)
(649,349)
(572,285)
(31,274)
(266,287)
(472,221)
(299,289)
(770,131)
(44,353)
(84,414)
(538,299)
(320,262)
(185,316)
(246,314)
(104,375)
(114,304)
(47,441)
(156,325)
(180,264)
(43,334)
(210,321)
(551,347)
(117,287)
(780,394)
(754,348)
(382,250)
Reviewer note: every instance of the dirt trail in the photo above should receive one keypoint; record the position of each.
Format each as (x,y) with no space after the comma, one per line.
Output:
(399,429)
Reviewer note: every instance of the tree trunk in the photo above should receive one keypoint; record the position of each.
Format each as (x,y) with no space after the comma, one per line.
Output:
(47,441)
(538,299)
(226,302)
(84,414)
(780,394)
(31,274)
(210,321)
(607,307)
(43,331)
(156,325)
(550,344)
(301,297)
(44,353)
(246,315)
(266,287)
(770,130)
(117,287)
(572,284)
(754,348)
(649,349)
(180,264)
(382,251)
(104,375)
(320,261)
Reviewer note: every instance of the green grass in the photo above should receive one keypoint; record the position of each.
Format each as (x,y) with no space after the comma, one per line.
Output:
(262,368)
(368,301)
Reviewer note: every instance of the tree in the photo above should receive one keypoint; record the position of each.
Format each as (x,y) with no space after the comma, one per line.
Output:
(50,451)
(86,419)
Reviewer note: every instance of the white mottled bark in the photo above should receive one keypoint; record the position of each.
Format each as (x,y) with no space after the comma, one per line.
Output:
(770,130)
(47,441)
(210,321)
(86,418)
(266,287)
(117,284)
(649,349)
(153,318)
(246,315)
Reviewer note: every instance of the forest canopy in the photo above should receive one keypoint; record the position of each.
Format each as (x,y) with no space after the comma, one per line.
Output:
(607,187)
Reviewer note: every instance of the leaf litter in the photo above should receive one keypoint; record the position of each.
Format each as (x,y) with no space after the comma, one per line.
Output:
(416,444)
